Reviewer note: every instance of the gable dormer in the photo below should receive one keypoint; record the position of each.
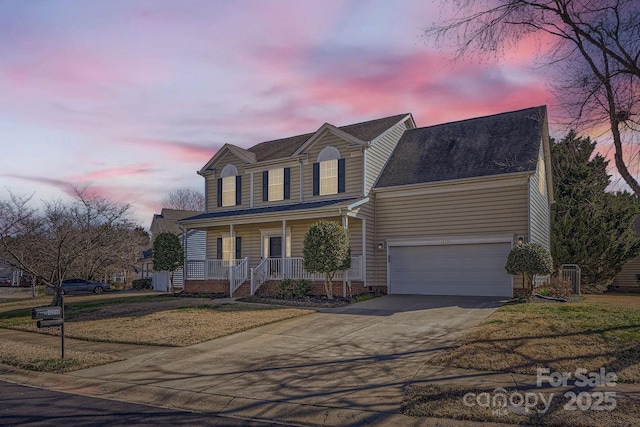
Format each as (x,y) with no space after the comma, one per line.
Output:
(326,164)
(225,187)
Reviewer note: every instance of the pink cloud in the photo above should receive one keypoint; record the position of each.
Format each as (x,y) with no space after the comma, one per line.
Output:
(121,172)
(184,151)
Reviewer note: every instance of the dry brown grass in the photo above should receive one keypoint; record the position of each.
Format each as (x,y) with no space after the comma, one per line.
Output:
(601,331)
(47,359)
(177,328)
(449,402)
(130,318)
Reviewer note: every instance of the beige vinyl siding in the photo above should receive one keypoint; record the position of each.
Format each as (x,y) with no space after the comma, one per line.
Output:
(212,183)
(300,228)
(251,237)
(251,243)
(353,168)
(540,221)
(257,188)
(468,212)
(377,155)
(366,212)
(627,277)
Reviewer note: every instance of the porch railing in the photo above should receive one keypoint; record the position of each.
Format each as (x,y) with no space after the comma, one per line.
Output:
(292,268)
(211,269)
(238,275)
(259,275)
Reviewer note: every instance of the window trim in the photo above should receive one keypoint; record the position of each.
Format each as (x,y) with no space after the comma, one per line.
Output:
(275,191)
(328,173)
(229,193)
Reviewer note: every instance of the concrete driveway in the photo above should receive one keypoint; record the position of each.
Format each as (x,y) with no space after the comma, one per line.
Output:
(340,366)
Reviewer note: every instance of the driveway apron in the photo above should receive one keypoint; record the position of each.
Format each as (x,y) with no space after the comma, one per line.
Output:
(359,357)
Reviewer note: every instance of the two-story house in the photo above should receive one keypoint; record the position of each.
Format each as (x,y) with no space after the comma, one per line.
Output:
(431,210)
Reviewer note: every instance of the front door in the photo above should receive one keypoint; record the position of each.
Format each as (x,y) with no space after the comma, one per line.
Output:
(275,247)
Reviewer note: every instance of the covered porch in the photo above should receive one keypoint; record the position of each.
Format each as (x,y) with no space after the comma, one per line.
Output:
(250,250)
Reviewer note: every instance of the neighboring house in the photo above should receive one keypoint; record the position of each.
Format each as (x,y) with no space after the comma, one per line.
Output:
(627,279)
(431,210)
(167,222)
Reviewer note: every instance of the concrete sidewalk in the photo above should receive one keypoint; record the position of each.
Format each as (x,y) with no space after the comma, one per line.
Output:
(347,366)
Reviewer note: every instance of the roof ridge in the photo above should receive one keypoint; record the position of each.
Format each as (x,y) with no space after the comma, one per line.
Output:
(339,127)
(480,117)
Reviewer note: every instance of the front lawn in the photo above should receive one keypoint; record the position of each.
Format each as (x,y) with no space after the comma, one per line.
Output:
(598,331)
(145,320)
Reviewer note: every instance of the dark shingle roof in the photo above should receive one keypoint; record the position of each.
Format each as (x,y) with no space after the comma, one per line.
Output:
(280,148)
(491,145)
(269,209)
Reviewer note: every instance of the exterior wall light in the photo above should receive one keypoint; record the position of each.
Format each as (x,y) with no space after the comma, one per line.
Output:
(381,246)
(520,241)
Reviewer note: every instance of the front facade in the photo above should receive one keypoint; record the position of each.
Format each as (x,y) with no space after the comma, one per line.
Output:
(422,217)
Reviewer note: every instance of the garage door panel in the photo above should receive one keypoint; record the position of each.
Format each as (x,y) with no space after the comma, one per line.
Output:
(464,269)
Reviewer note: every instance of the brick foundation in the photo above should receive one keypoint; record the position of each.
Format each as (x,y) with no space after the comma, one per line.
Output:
(206,287)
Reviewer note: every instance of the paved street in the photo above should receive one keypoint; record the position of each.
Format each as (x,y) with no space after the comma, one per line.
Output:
(29,406)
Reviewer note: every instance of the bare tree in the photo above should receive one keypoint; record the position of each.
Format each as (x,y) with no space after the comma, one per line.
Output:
(184,199)
(596,54)
(90,237)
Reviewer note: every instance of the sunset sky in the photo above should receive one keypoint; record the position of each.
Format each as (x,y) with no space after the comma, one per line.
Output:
(133,97)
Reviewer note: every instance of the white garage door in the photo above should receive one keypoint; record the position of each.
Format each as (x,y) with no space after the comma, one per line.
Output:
(463,269)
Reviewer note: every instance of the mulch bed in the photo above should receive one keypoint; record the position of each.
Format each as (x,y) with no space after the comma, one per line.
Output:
(308,301)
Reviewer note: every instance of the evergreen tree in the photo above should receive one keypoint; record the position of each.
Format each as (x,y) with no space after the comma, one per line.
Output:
(590,227)
(167,254)
(326,250)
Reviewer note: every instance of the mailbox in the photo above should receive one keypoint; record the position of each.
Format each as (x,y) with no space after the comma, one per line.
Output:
(46,313)
(49,323)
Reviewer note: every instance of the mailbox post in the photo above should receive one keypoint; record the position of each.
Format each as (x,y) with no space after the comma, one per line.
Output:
(51,316)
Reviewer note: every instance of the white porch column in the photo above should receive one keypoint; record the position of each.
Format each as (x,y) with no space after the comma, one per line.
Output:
(284,239)
(232,246)
(345,225)
(283,251)
(363,266)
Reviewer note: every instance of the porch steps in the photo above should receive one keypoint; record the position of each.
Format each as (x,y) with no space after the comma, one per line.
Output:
(244,290)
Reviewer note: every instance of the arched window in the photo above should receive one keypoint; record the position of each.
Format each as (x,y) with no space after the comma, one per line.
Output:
(327,175)
(229,170)
(229,186)
(328,153)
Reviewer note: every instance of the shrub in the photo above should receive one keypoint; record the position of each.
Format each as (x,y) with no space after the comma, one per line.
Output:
(141,284)
(560,288)
(284,289)
(326,250)
(288,289)
(302,288)
(529,260)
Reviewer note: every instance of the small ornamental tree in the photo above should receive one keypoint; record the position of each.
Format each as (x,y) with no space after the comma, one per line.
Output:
(167,255)
(326,250)
(529,260)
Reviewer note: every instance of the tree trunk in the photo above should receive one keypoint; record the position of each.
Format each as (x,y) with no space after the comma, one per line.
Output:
(328,285)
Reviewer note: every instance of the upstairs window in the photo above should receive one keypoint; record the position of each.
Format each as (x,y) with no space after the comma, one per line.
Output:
(329,173)
(276,184)
(329,177)
(229,191)
(229,187)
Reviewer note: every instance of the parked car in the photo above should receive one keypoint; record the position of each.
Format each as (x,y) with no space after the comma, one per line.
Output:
(81,285)
(5,281)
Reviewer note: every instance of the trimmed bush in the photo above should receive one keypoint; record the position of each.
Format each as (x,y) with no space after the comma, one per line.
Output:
(142,284)
(529,260)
